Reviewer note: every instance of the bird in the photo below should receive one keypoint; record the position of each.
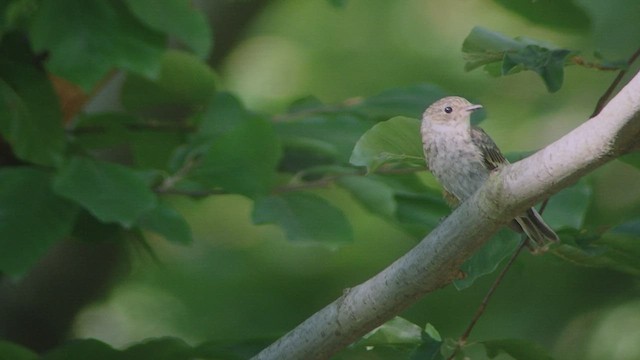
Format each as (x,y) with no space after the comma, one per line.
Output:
(461,157)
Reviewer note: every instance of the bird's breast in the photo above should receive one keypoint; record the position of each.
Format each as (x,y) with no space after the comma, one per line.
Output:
(454,160)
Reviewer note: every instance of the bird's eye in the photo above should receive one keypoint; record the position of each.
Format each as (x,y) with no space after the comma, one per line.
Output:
(448,109)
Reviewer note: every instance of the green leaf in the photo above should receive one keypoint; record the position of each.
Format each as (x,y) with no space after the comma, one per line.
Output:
(516,348)
(549,64)
(561,14)
(32,217)
(11,351)
(568,208)
(103,131)
(82,350)
(392,141)
(398,339)
(419,208)
(483,46)
(376,196)
(328,135)
(241,152)
(159,349)
(338,3)
(87,39)
(177,18)
(166,221)
(486,260)
(304,217)
(431,347)
(489,48)
(616,249)
(185,84)
(409,101)
(111,192)
(395,332)
(232,350)
(30,117)
(632,159)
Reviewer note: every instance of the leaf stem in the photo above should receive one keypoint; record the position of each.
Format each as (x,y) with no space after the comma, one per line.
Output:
(483,305)
(607,94)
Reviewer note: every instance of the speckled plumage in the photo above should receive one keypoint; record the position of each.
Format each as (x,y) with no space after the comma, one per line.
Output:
(462,156)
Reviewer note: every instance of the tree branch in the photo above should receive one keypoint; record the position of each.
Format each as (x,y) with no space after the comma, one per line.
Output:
(435,261)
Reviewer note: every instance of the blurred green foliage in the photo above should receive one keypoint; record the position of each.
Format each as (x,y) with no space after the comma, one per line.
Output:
(259,166)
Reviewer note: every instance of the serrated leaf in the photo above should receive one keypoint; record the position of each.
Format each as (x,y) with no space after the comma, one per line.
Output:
(32,217)
(177,18)
(561,14)
(111,192)
(516,348)
(166,221)
(487,48)
(548,63)
(396,140)
(184,84)
(376,196)
(87,39)
(304,217)
(11,351)
(483,46)
(486,260)
(30,116)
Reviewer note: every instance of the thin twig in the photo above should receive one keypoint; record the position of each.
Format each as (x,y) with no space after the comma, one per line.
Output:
(607,94)
(487,297)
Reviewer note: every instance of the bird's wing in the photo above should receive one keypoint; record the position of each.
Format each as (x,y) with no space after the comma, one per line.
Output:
(491,154)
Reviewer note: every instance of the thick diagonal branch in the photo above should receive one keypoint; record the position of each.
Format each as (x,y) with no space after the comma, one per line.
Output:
(435,261)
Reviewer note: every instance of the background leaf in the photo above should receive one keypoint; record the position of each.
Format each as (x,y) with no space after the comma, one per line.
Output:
(561,14)
(82,349)
(376,196)
(304,217)
(177,18)
(111,192)
(166,221)
(87,39)
(184,84)
(516,348)
(391,141)
(10,351)
(161,349)
(30,117)
(238,150)
(32,217)
(409,101)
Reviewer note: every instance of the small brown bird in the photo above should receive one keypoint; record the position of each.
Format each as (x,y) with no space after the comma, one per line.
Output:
(461,156)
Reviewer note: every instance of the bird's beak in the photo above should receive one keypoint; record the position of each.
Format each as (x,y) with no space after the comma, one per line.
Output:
(472,108)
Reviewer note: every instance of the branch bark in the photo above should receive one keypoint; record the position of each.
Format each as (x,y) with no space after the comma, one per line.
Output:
(435,261)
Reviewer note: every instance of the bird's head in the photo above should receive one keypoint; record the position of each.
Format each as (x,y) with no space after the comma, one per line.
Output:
(451,109)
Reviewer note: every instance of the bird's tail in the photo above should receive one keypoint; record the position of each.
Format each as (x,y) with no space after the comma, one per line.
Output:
(539,233)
